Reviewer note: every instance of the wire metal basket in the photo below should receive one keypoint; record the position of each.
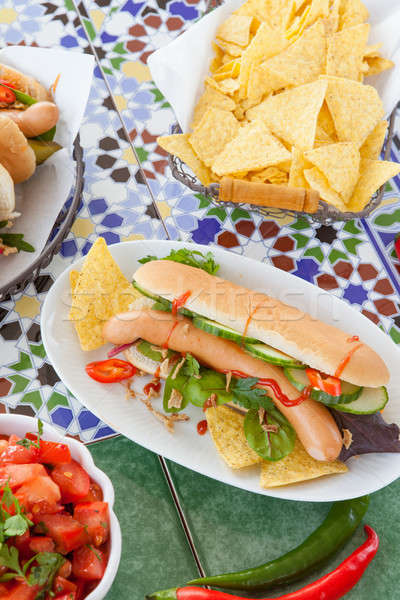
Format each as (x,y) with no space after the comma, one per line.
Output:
(59,232)
(326,213)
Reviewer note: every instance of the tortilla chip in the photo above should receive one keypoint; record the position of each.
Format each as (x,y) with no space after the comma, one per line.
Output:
(317,181)
(236,30)
(304,60)
(321,137)
(216,62)
(270,174)
(229,48)
(276,13)
(352,12)
(373,174)
(215,130)
(262,82)
(73,279)
(377,64)
(101,292)
(346,51)
(212,97)
(295,467)
(297,27)
(266,43)
(179,146)
(373,49)
(319,9)
(292,115)
(331,23)
(299,163)
(253,148)
(228,86)
(326,123)
(340,163)
(372,146)
(356,109)
(226,429)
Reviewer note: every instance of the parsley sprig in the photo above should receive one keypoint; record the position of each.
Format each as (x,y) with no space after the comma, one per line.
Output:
(11,525)
(27,443)
(193,258)
(14,240)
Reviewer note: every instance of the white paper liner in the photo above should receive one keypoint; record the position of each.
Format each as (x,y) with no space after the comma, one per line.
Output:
(40,199)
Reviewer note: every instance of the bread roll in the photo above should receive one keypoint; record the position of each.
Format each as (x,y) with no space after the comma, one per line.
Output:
(15,153)
(317,344)
(7,196)
(24,83)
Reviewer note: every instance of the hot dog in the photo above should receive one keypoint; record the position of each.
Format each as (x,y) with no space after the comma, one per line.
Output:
(36,119)
(313,423)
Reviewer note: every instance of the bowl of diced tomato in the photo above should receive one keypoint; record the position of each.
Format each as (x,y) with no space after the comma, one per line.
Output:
(59,536)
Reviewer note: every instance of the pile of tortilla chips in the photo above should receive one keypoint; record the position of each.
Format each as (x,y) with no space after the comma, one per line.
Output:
(286,102)
(226,429)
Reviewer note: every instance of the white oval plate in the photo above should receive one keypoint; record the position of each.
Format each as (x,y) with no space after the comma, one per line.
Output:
(129,417)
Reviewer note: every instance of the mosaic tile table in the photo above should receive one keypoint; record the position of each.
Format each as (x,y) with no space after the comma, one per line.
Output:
(129,194)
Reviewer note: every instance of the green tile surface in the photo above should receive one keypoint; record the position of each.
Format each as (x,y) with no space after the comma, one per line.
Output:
(155,553)
(234,529)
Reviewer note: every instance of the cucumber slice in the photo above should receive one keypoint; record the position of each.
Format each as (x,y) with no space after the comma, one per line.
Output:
(370,401)
(148,294)
(221,331)
(271,355)
(159,299)
(298,378)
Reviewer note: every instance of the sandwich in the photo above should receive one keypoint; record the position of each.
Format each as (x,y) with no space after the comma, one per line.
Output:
(217,343)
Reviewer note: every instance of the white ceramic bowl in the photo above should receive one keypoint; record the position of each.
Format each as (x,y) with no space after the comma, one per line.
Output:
(19,425)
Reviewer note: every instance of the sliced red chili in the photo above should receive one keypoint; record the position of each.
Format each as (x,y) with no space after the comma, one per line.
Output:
(7,95)
(111,370)
(328,384)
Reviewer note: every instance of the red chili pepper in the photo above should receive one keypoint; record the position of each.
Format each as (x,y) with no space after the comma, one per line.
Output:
(179,303)
(330,385)
(397,245)
(111,370)
(7,83)
(332,586)
(202,427)
(6,95)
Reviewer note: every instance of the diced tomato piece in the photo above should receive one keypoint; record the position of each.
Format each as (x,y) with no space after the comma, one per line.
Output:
(44,508)
(51,453)
(89,563)
(67,533)
(68,596)
(16,475)
(94,516)
(73,481)
(63,586)
(41,544)
(18,455)
(3,445)
(21,542)
(40,488)
(23,591)
(95,493)
(80,589)
(65,570)
(4,591)
(13,438)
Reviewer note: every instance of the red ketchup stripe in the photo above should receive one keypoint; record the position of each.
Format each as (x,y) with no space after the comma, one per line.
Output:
(274,386)
(179,302)
(165,344)
(346,360)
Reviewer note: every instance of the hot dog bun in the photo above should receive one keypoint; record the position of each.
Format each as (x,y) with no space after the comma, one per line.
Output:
(25,83)
(15,153)
(317,344)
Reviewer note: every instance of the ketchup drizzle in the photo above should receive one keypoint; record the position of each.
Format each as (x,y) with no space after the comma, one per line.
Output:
(157,373)
(165,344)
(343,364)
(249,318)
(274,385)
(202,427)
(153,385)
(180,302)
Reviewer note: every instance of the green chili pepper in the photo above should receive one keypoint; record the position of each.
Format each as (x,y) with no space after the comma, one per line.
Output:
(339,525)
